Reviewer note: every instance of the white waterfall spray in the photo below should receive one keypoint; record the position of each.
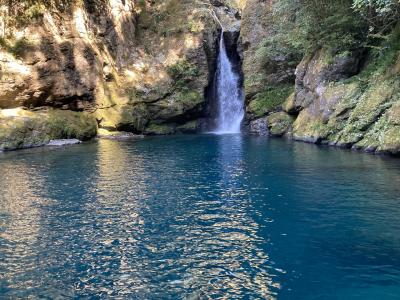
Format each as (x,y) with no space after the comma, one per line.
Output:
(229,94)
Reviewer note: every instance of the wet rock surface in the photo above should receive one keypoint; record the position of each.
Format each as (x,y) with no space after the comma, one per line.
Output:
(132,66)
(340,108)
(148,68)
(347,99)
(65,142)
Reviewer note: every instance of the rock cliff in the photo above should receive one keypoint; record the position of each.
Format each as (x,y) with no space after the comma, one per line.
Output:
(268,80)
(347,99)
(147,67)
(137,66)
(341,103)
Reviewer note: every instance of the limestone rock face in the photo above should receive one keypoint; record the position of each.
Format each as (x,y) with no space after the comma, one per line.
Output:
(63,142)
(338,107)
(20,128)
(316,71)
(259,71)
(268,79)
(279,123)
(130,64)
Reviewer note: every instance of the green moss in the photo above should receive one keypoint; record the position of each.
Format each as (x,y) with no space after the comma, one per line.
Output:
(182,70)
(177,105)
(390,142)
(270,100)
(36,129)
(67,125)
(189,97)
(189,127)
(133,118)
(384,135)
(307,127)
(279,123)
(253,82)
(289,105)
(160,129)
(170,18)
(367,111)
(195,26)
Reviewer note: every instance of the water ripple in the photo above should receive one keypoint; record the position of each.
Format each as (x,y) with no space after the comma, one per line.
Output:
(205,217)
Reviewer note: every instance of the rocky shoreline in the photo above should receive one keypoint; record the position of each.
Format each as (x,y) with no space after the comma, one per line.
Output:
(146,69)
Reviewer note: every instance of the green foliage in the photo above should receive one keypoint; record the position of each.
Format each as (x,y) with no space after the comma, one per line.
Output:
(305,25)
(310,24)
(274,46)
(182,72)
(381,58)
(18,13)
(381,15)
(194,27)
(181,69)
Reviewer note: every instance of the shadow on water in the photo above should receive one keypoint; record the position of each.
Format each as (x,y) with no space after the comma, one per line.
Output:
(206,216)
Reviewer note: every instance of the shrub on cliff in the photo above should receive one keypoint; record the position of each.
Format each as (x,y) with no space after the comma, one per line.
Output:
(305,25)
(381,15)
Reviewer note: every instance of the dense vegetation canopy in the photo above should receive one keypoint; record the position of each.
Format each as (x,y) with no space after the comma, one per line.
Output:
(302,26)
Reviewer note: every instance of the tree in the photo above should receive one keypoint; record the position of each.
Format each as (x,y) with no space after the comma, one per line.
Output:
(381,15)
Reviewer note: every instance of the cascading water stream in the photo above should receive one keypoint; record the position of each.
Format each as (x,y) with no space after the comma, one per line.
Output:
(229,94)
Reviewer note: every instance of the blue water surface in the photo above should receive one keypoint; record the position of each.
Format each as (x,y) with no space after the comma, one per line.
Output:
(199,217)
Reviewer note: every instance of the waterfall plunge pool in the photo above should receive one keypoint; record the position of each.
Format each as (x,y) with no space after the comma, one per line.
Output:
(199,217)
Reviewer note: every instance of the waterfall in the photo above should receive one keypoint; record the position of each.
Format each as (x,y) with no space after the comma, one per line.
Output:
(229,94)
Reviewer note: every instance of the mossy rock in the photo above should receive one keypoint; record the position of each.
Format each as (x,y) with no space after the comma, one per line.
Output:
(366,115)
(68,125)
(133,118)
(289,105)
(25,129)
(189,127)
(160,129)
(129,117)
(390,142)
(269,101)
(279,123)
(308,128)
(177,106)
(116,135)
(384,135)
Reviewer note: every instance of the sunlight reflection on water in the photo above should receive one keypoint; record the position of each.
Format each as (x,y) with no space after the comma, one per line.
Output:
(206,217)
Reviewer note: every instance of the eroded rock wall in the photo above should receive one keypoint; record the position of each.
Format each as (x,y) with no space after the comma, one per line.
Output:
(139,66)
(341,104)
(146,67)
(268,80)
(349,99)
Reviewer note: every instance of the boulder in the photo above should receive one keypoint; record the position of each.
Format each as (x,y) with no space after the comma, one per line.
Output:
(20,128)
(259,127)
(160,129)
(279,123)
